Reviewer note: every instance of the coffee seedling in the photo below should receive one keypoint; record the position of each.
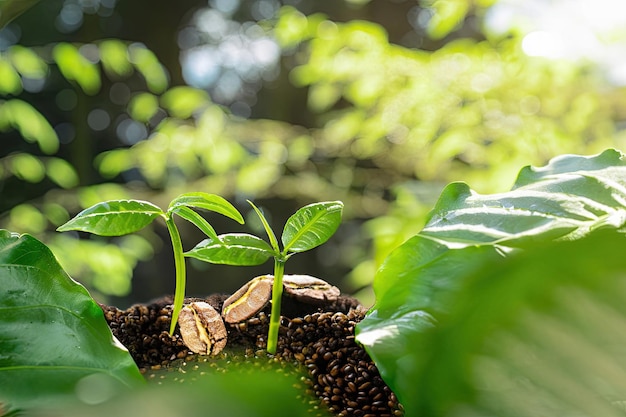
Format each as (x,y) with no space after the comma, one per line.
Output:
(122,217)
(308,228)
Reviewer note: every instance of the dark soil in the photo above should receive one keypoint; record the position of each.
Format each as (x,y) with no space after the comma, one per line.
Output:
(319,339)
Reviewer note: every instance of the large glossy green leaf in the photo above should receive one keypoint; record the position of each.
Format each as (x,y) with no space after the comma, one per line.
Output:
(209,202)
(566,200)
(537,334)
(311,226)
(233,249)
(52,333)
(114,218)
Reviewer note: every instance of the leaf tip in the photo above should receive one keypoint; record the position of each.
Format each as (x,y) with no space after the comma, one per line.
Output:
(65,227)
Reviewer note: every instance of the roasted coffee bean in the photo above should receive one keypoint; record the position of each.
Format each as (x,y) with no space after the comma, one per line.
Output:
(248,300)
(202,328)
(365,385)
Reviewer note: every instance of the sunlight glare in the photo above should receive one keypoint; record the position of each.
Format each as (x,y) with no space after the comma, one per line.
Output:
(593,31)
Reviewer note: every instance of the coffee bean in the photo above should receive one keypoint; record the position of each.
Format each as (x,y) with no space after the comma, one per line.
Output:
(339,374)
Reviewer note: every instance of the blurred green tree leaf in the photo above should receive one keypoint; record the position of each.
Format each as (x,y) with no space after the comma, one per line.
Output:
(182,102)
(10,82)
(143,107)
(115,58)
(27,62)
(149,66)
(76,67)
(31,124)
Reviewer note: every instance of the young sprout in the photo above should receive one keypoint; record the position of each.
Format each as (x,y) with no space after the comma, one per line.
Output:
(122,217)
(308,228)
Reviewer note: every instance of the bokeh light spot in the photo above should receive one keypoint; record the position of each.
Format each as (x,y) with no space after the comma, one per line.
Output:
(119,94)
(130,131)
(98,119)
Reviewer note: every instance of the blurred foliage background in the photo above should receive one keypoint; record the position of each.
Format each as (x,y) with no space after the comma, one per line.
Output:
(376,103)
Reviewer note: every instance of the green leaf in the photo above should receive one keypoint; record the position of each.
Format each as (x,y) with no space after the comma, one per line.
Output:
(233,249)
(31,124)
(10,81)
(267,227)
(149,66)
(62,172)
(566,200)
(28,218)
(565,164)
(183,101)
(447,16)
(311,226)
(27,62)
(196,219)
(251,392)
(209,202)
(75,67)
(114,57)
(539,333)
(52,333)
(143,107)
(27,167)
(114,218)
(10,9)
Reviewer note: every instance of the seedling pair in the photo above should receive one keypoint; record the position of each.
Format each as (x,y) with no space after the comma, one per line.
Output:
(308,228)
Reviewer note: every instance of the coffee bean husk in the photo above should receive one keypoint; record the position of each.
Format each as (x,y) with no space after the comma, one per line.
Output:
(315,340)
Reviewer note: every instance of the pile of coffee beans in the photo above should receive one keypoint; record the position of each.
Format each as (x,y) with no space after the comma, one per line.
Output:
(318,338)
(341,373)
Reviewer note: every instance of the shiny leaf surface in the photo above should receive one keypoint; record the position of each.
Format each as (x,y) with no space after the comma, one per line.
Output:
(209,202)
(114,218)
(233,249)
(52,333)
(311,226)
(566,200)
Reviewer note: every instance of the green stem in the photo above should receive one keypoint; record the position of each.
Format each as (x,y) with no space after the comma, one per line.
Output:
(277,293)
(179,262)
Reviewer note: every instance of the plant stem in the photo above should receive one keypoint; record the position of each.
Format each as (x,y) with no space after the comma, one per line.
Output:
(277,293)
(179,262)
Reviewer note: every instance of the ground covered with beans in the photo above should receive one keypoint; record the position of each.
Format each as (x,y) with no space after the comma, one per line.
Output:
(319,340)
